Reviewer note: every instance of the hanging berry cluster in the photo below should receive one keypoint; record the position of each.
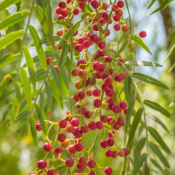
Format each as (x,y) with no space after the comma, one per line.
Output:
(99,69)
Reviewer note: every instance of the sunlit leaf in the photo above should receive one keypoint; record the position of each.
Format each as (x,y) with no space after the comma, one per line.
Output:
(22,115)
(49,97)
(149,79)
(33,132)
(142,63)
(13,19)
(156,150)
(157,165)
(141,43)
(127,88)
(157,107)
(10,38)
(152,2)
(172,103)
(8,59)
(64,22)
(64,53)
(5,94)
(123,46)
(7,3)
(41,101)
(159,139)
(38,45)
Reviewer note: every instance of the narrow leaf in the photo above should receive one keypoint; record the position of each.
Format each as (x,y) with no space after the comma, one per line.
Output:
(41,119)
(22,115)
(157,165)
(26,85)
(10,38)
(134,126)
(30,65)
(159,139)
(7,3)
(55,92)
(13,19)
(38,45)
(49,98)
(64,53)
(163,6)
(172,103)
(149,79)
(142,63)
(33,132)
(140,145)
(5,94)
(172,44)
(130,109)
(139,163)
(156,150)
(41,101)
(127,88)
(64,22)
(152,2)
(8,59)
(157,107)
(141,43)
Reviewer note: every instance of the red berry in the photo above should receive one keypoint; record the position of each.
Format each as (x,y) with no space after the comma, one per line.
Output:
(82,5)
(75,72)
(69,128)
(58,151)
(109,93)
(78,147)
(108,80)
(89,92)
(61,137)
(99,125)
(108,32)
(50,172)
(125,28)
(105,15)
(121,60)
(91,164)
(94,4)
(109,100)
(62,4)
(42,164)
(102,21)
(69,162)
(77,133)
(93,37)
(99,74)
(118,78)
(74,122)
(104,6)
(48,60)
(64,13)
(38,126)
(81,64)
(116,18)
(108,153)
(81,95)
(120,4)
(116,109)
(142,34)
(103,144)
(121,153)
(126,151)
(123,105)
(58,11)
(76,11)
(101,44)
(111,134)
(80,167)
(95,27)
(97,103)
(117,27)
(72,149)
(125,111)
(103,119)
(92,125)
(75,98)
(114,154)
(62,123)
(96,92)
(101,53)
(82,111)
(110,142)
(86,44)
(108,171)
(109,119)
(118,12)
(82,161)
(116,126)
(56,68)
(96,66)
(78,47)
(47,147)
(105,87)
(84,128)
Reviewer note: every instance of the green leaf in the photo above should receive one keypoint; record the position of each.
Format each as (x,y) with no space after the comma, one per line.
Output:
(41,101)
(7,3)
(163,6)
(22,115)
(41,119)
(140,145)
(130,57)
(13,19)
(172,44)
(18,91)
(127,88)
(10,38)
(158,166)
(142,63)
(130,109)
(40,74)
(33,132)
(139,163)
(64,22)
(26,85)
(49,97)
(157,107)
(8,59)
(141,43)
(152,2)
(30,65)
(57,81)
(46,40)
(156,150)
(123,46)
(56,93)
(38,45)
(23,130)
(149,79)
(5,94)
(157,120)
(158,138)
(88,8)
(172,103)
(64,53)
(134,126)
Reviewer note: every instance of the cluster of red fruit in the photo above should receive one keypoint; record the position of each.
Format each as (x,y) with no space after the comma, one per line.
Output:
(107,93)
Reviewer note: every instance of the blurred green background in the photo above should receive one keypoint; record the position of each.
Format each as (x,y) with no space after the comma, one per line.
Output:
(19,156)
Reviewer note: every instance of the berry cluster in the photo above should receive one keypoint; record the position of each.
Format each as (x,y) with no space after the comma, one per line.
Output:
(98,79)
